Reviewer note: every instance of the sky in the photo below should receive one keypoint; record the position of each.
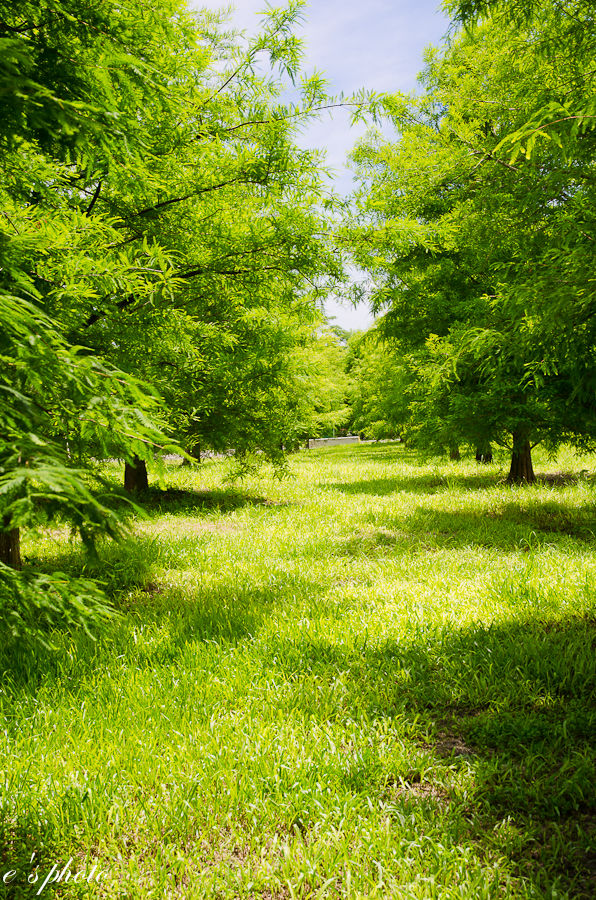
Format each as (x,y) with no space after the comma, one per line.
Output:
(377,45)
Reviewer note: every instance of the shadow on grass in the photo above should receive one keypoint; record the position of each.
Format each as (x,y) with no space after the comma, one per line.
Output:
(127,564)
(222,614)
(511,526)
(516,702)
(155,623)
(424,483)
(156,502)
(431,483)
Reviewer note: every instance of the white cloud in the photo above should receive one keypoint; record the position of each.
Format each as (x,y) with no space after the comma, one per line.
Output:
(378,46)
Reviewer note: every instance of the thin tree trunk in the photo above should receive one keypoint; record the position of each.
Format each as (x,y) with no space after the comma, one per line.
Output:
(454,453)
(521,460)
(10,548)
(484,454)
(135,476)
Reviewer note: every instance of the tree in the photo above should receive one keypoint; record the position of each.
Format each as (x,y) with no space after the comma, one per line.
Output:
(380,383)
(149,191)
(320,385)
(44,381)
(221,223)
(71,78)
(481,255)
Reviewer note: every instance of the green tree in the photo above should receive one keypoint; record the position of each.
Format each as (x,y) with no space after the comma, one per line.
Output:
(71,79)
(155,212)
(220,222)
(380,384)
(481,255)
(320,383)
(43,383)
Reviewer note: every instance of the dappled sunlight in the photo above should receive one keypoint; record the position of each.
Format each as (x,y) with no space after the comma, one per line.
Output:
(301,674)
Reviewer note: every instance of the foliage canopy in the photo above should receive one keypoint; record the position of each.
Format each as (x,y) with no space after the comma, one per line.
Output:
(162,247)
(478,225)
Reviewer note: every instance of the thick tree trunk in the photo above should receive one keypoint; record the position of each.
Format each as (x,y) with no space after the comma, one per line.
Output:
(454,453)
(135,476)
(10,548)
(521,461)
(484,454)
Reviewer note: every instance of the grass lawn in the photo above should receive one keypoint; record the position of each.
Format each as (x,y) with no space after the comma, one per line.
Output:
(375,679)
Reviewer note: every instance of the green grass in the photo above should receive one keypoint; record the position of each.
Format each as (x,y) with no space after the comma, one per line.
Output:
(375,679)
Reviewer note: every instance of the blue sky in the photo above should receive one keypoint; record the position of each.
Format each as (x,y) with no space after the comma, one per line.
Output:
(378,45)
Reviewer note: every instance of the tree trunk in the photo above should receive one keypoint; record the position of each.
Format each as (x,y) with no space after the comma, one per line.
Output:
(484,454)
(196,455)
(521,461)
(10,548)
(135,476)
(454,453)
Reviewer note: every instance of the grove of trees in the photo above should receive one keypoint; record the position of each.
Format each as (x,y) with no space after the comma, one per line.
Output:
(476,224)
(163,252)
(165,246)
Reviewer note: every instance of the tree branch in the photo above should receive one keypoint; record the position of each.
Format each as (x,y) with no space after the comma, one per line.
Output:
(89,209)
(100,314)
(192,273)
(164,203)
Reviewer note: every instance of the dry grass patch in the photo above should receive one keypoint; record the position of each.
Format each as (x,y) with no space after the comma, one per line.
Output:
(411,788)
